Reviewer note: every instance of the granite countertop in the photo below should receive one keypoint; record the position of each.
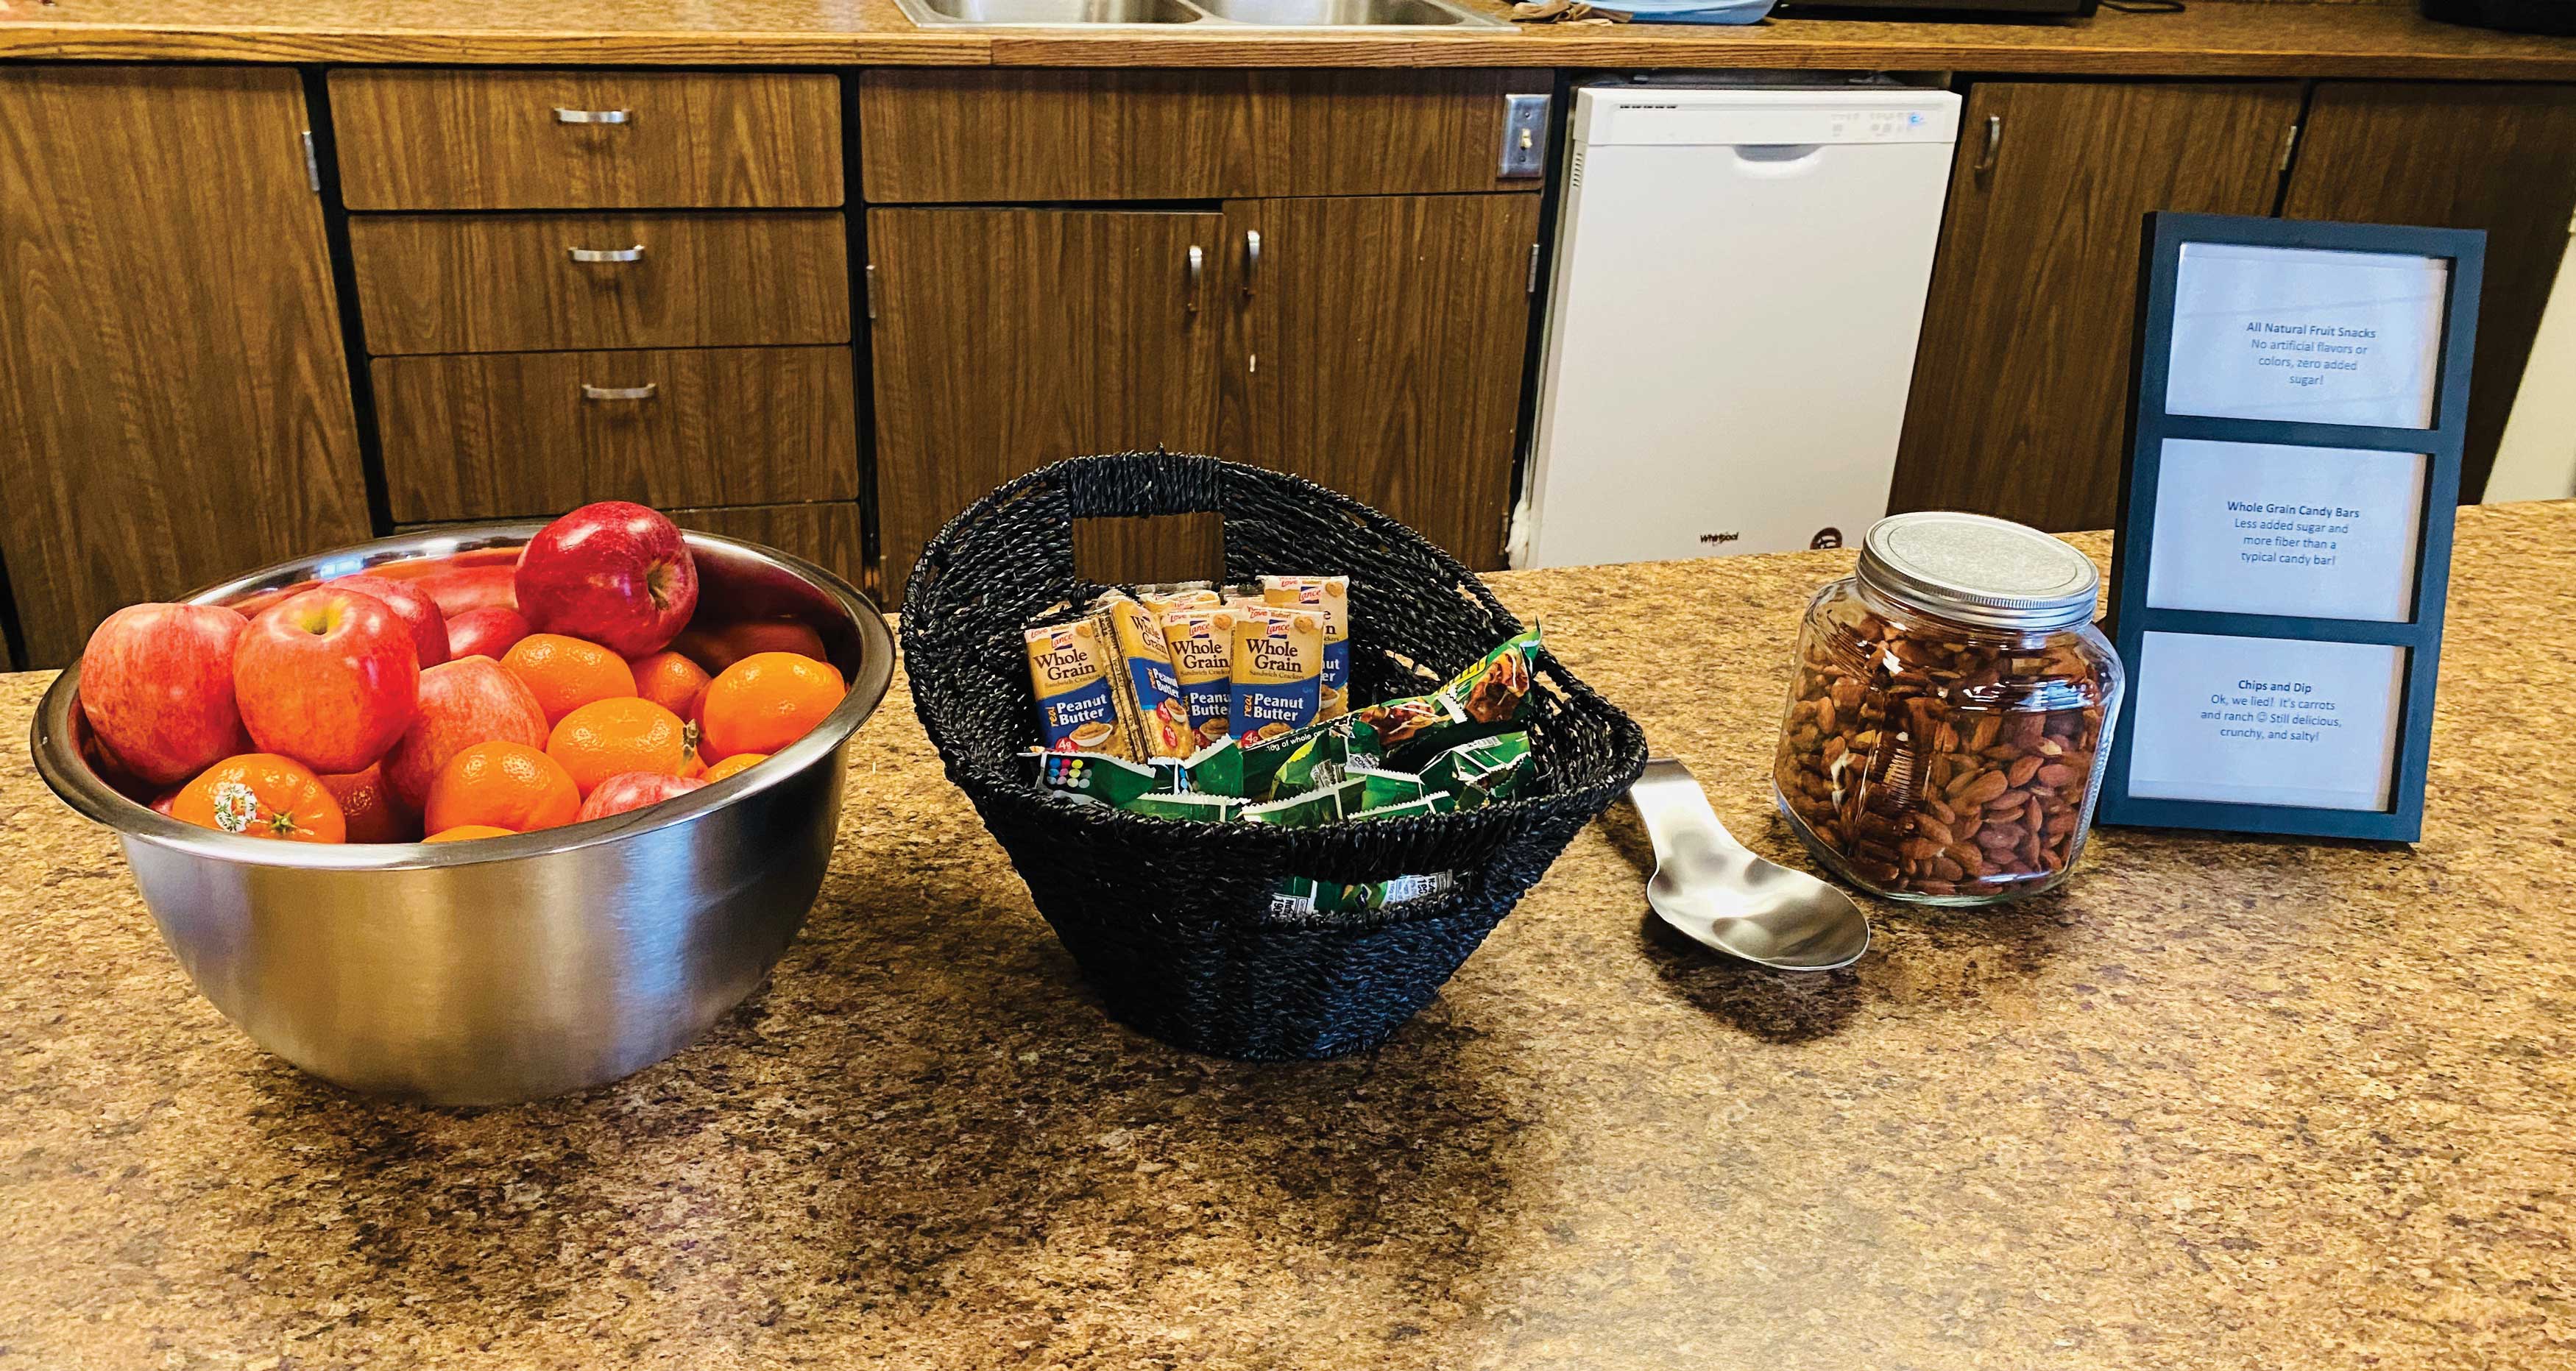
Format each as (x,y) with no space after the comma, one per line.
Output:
(2218,1103)
(2211,38)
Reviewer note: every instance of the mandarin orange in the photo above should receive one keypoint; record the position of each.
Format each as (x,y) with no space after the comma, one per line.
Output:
(566,673)
(262,795)
(764,702)
(608,737)
(734,765)
(505,785)
(672,681)
(467,832)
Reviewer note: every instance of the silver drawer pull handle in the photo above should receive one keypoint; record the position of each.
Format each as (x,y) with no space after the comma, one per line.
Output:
(1197,261)
(1251,260)
(633,254)
(642,392)
(589,116)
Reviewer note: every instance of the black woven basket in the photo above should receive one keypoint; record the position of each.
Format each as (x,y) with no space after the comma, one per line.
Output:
(1172,922)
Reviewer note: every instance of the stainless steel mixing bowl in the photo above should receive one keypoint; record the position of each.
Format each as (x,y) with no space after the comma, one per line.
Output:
(510,968)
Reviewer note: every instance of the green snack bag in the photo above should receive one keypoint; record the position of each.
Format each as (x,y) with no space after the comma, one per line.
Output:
(1216,769)
(1214,809)
(1483,771)
(1101,779)
(1308,810)
(1478,702)
(1264,760)
(1437,802)
(1404,888)
(1380,788)
(1325,759)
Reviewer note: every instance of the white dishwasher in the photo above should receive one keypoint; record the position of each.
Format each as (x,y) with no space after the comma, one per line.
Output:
(1739,282)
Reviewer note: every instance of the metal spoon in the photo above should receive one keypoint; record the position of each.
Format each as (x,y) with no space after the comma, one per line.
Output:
(1715,891)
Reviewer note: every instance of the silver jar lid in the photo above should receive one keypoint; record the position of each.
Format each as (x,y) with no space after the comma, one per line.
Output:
(1986,572)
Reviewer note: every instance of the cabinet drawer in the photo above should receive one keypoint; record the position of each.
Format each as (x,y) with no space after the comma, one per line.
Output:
(434,139)
(503,435)
(511,283)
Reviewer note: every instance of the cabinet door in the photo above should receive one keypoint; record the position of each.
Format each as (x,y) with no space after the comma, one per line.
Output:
(2021,379)
(1383,343)
(1008,338)
(2499,158)
(176,405)
(825,532)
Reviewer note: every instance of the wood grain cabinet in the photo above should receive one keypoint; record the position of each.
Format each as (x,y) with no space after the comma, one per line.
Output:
(1386,336)
(2496,157)
(2021,382)
(515,435)
(1005,339)
(662,314)
(945,135)
(1332,278)
(174,399)
(594,139)
(511,282)
(2021,378)
(1373,344)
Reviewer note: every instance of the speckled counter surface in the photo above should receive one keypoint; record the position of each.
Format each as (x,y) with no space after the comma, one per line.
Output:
(2219,1103)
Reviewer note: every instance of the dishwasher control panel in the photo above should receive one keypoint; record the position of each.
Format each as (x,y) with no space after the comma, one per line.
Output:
(1741,118)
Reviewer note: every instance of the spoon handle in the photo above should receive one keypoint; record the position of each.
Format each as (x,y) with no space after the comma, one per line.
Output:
(1676,811)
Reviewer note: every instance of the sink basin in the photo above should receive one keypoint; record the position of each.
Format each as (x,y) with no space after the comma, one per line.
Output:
(1049,12)
(1335,13)
(1207,14)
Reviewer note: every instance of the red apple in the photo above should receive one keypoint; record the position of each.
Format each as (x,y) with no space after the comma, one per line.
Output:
(615,573)
(367,802)
(406,598)
(328,678)
(157,685)
(633,790)
(485,632)
(467,701)
(461,588)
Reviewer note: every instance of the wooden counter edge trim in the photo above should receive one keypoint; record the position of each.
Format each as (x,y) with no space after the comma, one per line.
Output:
(1489,48)
(1613,48)
(1589,47)
(488,47)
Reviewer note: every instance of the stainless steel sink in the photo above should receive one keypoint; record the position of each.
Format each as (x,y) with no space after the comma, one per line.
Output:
(1334,13)
(1213,14)
(1017,13)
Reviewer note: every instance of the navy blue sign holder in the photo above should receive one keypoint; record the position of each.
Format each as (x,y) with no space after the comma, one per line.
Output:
(2150,426)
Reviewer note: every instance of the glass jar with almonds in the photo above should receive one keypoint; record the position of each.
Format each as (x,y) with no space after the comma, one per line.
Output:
(1949,712)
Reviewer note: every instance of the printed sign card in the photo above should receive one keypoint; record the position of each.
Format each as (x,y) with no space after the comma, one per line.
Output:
(2265,528)
(2297,334)
(2300,396)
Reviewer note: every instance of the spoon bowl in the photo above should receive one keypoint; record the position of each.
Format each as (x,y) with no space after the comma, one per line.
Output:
(1715,891)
